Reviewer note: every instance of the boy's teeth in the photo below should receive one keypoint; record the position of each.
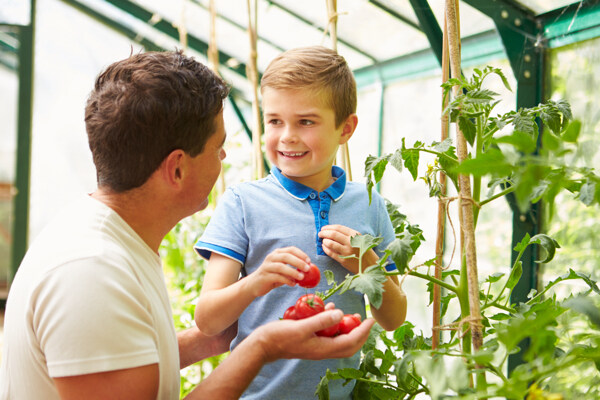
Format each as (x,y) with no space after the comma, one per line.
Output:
(292,154)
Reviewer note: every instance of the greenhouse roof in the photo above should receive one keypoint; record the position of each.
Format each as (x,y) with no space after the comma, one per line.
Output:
(371,34)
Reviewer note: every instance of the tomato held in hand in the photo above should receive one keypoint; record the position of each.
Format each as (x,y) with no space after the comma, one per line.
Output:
(348,323)
(329,332)
(290,313)
(311,277)
(308,305)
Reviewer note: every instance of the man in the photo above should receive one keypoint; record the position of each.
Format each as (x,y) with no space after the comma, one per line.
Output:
(88,313)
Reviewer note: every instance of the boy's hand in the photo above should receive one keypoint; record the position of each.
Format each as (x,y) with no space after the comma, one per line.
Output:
(281,267)
(336,244)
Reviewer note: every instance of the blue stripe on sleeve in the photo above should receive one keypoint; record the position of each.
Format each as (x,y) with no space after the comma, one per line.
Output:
(205,249)
(390,267)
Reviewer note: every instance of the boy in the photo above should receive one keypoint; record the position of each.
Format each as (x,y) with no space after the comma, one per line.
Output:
(303,212)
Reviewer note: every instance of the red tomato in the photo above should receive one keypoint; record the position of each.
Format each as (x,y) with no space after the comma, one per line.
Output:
(308,305)
(290,313)
(329,332)
(311,277)
(348,323)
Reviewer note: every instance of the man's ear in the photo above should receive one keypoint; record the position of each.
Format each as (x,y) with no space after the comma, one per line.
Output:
(173,167)
(348,128)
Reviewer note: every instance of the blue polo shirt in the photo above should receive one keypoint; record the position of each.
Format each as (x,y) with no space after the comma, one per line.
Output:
(254,218)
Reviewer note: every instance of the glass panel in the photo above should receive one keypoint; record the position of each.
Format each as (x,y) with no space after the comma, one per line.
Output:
(575,76)
(15,12)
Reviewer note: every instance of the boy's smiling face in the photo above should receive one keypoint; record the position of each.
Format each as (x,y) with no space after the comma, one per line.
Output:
(300,135)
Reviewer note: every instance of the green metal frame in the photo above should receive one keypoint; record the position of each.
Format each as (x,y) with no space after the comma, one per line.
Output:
(23,157)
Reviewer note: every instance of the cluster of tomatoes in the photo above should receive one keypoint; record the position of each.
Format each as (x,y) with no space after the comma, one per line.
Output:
(311,304)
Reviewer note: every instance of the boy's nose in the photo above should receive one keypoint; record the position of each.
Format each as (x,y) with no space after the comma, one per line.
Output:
(289,136)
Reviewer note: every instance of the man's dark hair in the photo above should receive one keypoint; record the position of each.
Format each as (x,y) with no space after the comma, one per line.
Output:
(144,107)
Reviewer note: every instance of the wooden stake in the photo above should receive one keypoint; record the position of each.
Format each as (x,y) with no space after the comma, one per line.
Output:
(213,61)
(441,217)
(258,170)
(465,199)
(332,16)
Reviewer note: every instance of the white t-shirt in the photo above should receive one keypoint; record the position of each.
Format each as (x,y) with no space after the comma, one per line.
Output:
(90,296)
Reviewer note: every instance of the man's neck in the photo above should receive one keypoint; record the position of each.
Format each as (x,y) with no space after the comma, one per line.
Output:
(142,211)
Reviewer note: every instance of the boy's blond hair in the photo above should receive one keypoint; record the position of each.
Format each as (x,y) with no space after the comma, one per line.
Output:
(315,68)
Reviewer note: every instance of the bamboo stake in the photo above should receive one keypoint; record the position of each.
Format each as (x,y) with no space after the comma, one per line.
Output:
(213,61)
(441,218)
(343,152)
(465,199)
(258,170)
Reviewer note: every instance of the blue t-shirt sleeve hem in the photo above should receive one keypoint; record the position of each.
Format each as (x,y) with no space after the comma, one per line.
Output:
(206,249)
(390,267)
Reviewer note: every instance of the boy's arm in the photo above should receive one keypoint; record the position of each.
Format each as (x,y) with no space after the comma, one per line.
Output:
(224,296)
(336,244)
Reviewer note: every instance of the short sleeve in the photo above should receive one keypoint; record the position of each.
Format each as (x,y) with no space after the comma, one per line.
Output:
(225,233)
(90,316)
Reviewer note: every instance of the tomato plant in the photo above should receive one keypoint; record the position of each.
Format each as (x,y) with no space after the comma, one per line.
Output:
(471,361)
(312,277)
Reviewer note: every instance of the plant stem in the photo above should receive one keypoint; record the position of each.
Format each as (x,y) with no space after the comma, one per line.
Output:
(497,195)
(429,278)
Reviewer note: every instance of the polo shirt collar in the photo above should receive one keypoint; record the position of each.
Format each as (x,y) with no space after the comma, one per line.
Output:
(301,192)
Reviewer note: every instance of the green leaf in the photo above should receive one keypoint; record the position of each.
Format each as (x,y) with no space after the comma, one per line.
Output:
(548,244)
(522,141)
(323,387)
(371,342)
(396,160)
(467,127)
(587,193)
(364,243)
(524,122)
(491,162)
(376,166)
(330,277)
(571,134)
(480,96)
(369,364)
(552,118)
(350,373)
(520,247)
(442,147)
(586,306)
(515,275)
(432,369)
(494,277)
(499,72)
(564,107)
(411,161)
(401,252)
(370,282)
(574,275)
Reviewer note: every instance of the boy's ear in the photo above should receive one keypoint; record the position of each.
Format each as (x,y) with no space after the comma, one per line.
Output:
(348,128)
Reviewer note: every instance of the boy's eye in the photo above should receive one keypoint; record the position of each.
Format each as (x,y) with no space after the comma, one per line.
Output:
(274,121)
(306,122)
